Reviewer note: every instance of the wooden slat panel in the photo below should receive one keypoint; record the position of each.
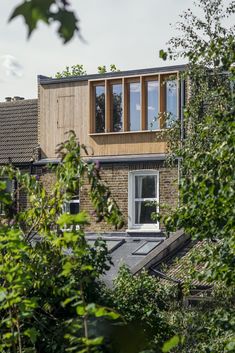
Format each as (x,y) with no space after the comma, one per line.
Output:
(143,103)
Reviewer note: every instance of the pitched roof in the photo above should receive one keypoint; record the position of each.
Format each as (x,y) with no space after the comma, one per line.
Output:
(18,130)
(177,267)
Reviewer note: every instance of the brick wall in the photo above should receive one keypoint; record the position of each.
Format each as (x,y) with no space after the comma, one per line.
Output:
(116,177)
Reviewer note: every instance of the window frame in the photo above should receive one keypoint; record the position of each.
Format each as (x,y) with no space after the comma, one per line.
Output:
(152,227)
(77,201)
(125,81)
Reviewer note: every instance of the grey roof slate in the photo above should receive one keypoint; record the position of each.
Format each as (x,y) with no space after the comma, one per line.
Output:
(18,130)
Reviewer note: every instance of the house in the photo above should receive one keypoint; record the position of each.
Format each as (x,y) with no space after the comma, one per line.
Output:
(117,116)
(18,139)
(120,117)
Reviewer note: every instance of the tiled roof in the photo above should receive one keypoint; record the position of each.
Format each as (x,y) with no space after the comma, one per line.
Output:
(178,267)
(18,130)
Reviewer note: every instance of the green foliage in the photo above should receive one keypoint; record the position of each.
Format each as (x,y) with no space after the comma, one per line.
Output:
(48,11)
(171,343)
(205,146)
(47,271)
(75,70)
(79,70)
(144,303)
(103,70)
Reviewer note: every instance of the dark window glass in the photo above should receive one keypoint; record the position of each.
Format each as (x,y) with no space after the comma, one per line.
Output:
(71,207)
(171,101)
(116,108)
(143,212)
(134,106)
(152,105)
(99,109)
(145,186)
(74,207)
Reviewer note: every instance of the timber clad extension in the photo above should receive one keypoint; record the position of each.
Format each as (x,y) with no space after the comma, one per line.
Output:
(120,118)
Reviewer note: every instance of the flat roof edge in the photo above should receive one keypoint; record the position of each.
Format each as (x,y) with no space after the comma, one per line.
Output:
(44,80)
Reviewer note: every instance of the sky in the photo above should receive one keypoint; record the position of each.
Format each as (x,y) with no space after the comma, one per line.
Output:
(128,33)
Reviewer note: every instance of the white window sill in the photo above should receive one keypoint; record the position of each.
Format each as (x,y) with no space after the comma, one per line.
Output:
(143,230)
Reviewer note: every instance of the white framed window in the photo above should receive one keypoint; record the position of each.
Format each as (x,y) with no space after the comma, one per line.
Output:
(71,207)
(143,199)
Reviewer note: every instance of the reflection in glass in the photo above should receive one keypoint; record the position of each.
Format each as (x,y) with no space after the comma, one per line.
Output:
(134,106)
(146,247)
(99,109)
(116,108)
(152,105)
(171,101)
(145,186)
(143,212)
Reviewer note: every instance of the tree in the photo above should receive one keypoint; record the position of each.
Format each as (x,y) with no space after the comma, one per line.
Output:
(45,282)
(49,11)
(207,147)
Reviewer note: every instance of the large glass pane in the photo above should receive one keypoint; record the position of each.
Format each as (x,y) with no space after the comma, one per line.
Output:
(143,212)
(152,105)
(171,101)
(116,108)
(145,186)
(99,109)
(134,106)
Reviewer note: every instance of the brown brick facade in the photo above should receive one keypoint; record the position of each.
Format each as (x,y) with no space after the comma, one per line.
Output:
(116,177)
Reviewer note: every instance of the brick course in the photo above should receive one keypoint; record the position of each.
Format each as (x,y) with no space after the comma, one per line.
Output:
(115,176)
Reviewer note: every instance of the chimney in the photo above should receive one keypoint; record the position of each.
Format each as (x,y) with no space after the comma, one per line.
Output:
(17,98)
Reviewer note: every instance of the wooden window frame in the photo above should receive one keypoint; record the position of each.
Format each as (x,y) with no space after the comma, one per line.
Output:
(125,80)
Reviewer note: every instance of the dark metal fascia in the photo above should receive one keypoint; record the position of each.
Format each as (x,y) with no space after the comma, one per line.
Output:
(43,80)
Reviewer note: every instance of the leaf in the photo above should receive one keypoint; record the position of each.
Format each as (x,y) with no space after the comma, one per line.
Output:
(32,11)
(32,333)
(162,54)
(68,24)
(171,343)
